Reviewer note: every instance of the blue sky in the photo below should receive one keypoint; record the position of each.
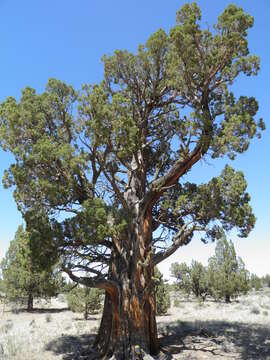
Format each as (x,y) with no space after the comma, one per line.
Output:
(66,39)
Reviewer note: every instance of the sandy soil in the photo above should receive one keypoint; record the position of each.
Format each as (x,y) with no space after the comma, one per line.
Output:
(240,330)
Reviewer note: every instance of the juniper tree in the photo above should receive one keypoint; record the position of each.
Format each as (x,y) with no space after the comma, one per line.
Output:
(162,294)
(266,280)
(255,282)
(107,165)
(84,300)
(191,279)
(24,275)
(227,273)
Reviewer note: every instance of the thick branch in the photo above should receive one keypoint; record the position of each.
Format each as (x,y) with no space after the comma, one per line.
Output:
(181,167)
(178,240)
(99,283)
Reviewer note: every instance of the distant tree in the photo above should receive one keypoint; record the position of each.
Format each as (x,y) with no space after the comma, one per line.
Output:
(85,300)
(266,280)
(227,274)
(255,282)
(162,293)
(191,279)
(24,274)
(2,286)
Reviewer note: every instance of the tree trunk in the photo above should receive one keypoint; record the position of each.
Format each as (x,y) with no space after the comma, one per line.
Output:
(30,302)
(128,327)
(85,315)
(227,298)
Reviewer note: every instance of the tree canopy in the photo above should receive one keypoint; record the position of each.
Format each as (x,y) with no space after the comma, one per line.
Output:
(24,274)
(105,167)
(192,279)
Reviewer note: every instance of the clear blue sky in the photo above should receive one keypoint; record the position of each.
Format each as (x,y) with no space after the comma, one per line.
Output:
(66,39)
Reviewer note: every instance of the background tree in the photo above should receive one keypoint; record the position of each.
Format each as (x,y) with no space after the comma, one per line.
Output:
(85,300)
(162,293)
(181,272)
(107,166)
(266,280)
(2,286)
(191,279)
(23,275)
(255,282)
(227,274)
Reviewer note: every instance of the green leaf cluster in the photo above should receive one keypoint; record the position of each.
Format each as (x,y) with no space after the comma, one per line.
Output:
(84,300)
(191,279)
(24,273)
(85,161)
(224,278)
(227,274)
(162,293)
(255,282)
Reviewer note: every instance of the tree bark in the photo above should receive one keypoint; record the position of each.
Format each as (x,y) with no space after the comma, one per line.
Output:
(30,302)
(128,327)
(227,298)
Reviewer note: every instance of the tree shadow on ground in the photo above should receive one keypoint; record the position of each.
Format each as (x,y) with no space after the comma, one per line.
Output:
(39,310)
(90,318)
(189,340)
(216,339)
(73,347)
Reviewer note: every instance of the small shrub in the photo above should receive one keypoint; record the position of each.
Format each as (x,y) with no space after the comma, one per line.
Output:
(2,352)
(265,313)
(15,310)
(33,323)
(61,298)
(12,347)
(48,318)
(255,310)
(176,303)
(200,301)
(6,327)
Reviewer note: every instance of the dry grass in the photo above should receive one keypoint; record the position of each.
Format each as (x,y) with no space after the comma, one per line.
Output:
(191,330)
(211,330)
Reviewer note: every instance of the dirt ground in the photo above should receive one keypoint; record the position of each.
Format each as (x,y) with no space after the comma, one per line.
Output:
(190,330)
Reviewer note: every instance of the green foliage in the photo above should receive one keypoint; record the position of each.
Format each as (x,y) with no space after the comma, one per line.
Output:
(266,280)
(224,278)
(226,273)
(64,140)
(255,310)
(2,287)
(85,300)
(191,279)
(256,282)
(162,293)
(23,273)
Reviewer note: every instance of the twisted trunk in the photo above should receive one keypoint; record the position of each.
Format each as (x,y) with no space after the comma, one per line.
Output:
(128,326)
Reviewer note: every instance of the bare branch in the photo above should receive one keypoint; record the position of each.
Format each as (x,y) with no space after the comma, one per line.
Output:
(178,240)
(98,282)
